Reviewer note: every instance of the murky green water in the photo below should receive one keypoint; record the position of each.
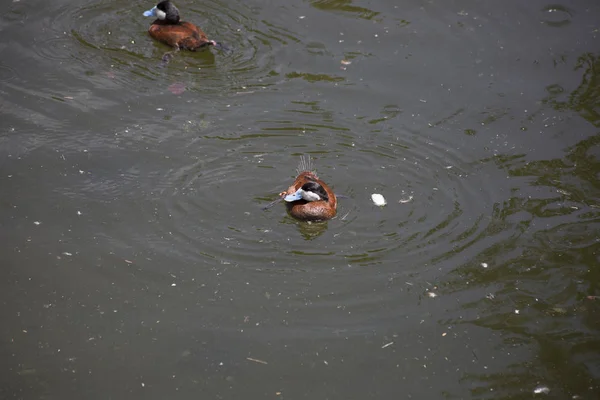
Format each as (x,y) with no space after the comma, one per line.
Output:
(138,263)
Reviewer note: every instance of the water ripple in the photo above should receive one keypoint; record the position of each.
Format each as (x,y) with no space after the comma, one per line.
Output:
(437,208)
(556,15)
(109,40)
(6,73)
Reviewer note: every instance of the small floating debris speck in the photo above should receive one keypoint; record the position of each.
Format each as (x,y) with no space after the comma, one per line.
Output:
(403,201)
(484,265)
(36,222)
(346,62)
(541,390)
(517,311)
(387,345)
(378,199)
(256,360)
(431,294)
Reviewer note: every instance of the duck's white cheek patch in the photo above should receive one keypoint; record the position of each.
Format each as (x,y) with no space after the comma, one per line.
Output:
(310,196)
(160,14)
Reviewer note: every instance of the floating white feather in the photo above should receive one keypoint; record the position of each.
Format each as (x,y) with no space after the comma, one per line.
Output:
(378,199)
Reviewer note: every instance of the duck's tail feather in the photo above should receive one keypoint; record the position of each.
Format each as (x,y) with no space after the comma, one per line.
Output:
(305,165)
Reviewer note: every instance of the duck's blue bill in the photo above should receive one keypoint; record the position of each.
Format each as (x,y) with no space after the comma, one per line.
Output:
(293,197)
(151,12)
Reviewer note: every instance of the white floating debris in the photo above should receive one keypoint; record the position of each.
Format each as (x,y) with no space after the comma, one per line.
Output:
(256,360)
(378,199)
(36,222)
(173,284)
(516,311)
(403,201)
(78,212)
(484,265)
(387,345)
(66,253)
(541,390)
(431,294)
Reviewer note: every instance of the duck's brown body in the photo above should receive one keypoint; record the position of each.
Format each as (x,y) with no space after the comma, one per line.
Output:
(169,29)
(182,35)
(311,210)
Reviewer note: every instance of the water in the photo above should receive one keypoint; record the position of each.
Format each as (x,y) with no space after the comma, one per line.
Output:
(137,260)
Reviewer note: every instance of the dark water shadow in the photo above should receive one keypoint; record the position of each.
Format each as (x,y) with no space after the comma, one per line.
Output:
(543,287)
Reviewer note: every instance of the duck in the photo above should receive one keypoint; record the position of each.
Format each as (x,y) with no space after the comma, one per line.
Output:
(309,198)
(167,28)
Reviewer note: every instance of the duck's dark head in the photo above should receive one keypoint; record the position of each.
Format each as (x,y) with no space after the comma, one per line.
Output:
(164,11)
(310,191)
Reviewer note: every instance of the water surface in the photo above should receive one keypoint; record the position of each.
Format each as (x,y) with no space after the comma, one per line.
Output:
(137,260)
